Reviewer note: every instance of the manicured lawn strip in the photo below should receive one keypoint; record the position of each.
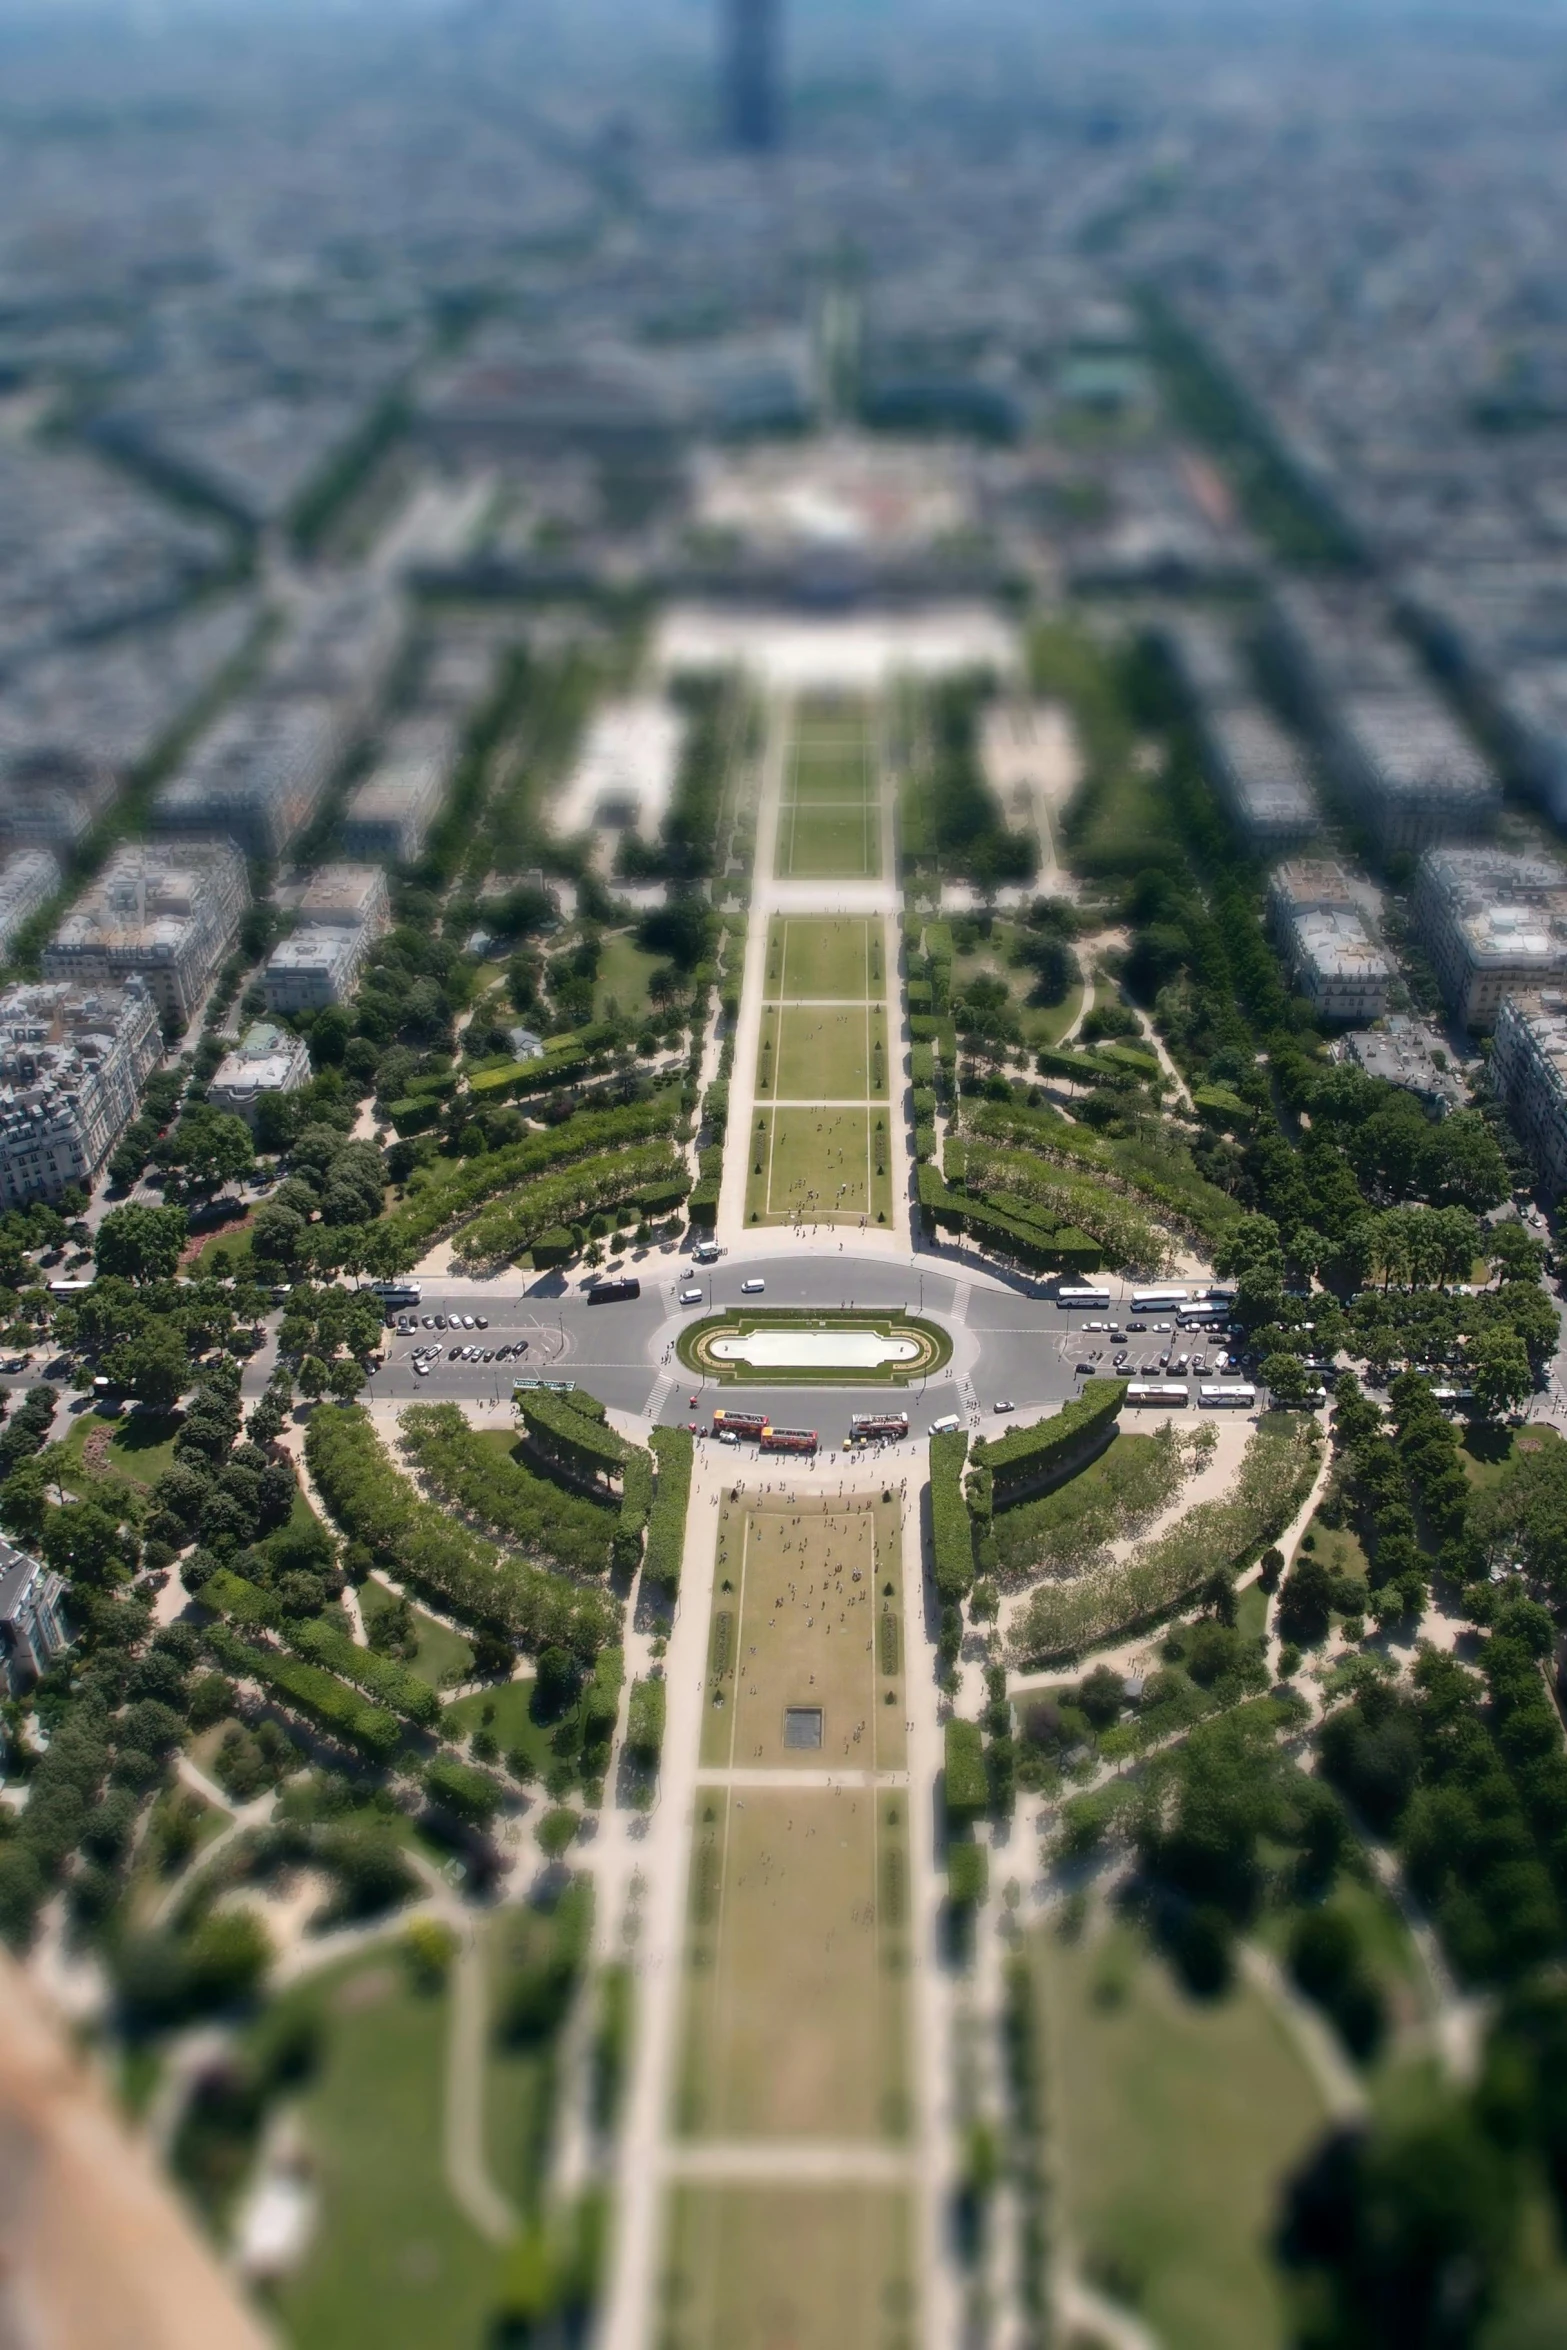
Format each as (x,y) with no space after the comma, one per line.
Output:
(749,2268)
(831,1053)
(952,1535)
(796,2020)
(483,1473)
(1070,1528)
(807,1154)
(1275,1474)
(623,973)
(1178,2121)
(830,773)
(441,1657)
(511,1226)
(829,843)
(392,2263)
(376,1505)
(814,956)
(439,1197)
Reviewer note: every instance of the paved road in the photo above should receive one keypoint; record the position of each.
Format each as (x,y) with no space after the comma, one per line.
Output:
(1008,1344)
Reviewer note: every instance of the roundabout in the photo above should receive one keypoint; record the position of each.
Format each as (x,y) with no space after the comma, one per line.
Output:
(853,1349)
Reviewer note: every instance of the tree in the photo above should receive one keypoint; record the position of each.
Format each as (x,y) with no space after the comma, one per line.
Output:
(141,1244)
(1460,1165)
(1513,1252)
(1285,1378)
(209,1147)
(1251,1254)
(153,1366)
(277,1234)
(1305,1601)
(313,1377)
(345,1378)
(81,1542)
(1500,1372)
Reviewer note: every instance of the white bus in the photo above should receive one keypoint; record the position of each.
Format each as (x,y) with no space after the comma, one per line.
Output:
(65,1290)
(1158,1301)
(397,1293)
(1155,1392)
(1084,1298)
(1239,1397)
(1204,1314)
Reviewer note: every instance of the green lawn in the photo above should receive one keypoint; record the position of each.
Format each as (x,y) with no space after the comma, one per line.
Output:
(817,1165)
(521,2078)
(829,843)
(812,957)
(225,1254)
(443,1656)
(831,769)
(788,2268)
(392,2264)
(510,1720)
(1043,1025)
(140,1447)
(623,975)
(1340,1551)
(1487,1453)
(823,1053)
(1177,2123)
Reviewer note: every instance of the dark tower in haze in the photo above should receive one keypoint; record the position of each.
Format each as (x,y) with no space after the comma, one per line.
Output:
(752,103)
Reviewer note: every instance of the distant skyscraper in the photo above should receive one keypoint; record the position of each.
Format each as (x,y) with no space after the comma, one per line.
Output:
(751,77)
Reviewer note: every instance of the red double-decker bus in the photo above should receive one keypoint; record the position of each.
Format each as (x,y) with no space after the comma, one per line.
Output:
(878,1427)
(788,1439)
(739,1423)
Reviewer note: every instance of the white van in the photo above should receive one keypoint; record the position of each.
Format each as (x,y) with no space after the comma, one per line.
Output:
(752,1288)
(945,1426)
(692,1297)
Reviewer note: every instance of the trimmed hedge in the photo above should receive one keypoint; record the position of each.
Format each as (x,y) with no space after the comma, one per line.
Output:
(630,1174)
(968,1875)
(572,1439)
(462,1789)
(1064,1250)
(375,1504)
(318,1695)
(952,1538)
(1026,1458)
(666,1534)
(645,1723)
(382,1677)
(636,1502)
(439,1198)
(513,1500)
(967,1786)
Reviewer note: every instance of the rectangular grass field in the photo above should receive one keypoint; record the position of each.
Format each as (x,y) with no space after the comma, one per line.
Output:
(819,1167)
(829,842)
(830,768)
(800,1625)
(823,1053)
(824,958)
(813,2268)
(797,1971)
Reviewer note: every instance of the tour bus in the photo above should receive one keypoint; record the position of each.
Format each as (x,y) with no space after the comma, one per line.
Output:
(610,1293)
(1156,1391)
(67,1289)
(1159,1301)
(1084,1298)
(1238,1398)
(878,1427)
(1204,1314)
(788,1439)
(398,1293)
(739,1423)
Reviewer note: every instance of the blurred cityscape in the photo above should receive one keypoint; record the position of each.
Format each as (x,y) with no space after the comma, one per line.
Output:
(783,828)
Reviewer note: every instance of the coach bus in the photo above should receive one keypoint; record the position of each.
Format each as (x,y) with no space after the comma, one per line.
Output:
(1156,1391)
(611,1293)
(878,1427)
(739,1423)
(397,1293)
(1239,1398)
(1082,1297)
(1204,1314)
(788,1439)
(1159,1301)
(69,1289)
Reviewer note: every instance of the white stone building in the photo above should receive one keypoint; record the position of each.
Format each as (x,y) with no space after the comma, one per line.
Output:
(167,912)
(72,1064)
(1322,935)
(267,1059)
(1529,1070)
(28,880)
(1492,924)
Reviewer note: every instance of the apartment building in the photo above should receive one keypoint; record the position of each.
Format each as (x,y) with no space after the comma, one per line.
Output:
(29,878)
(388,817)
(72,1064)
(1260,775)
(345,909)
(1322,935)
(165,912)
(257,778)
(1492,924)
(348,897)
(1529,1071)
(33,1630)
